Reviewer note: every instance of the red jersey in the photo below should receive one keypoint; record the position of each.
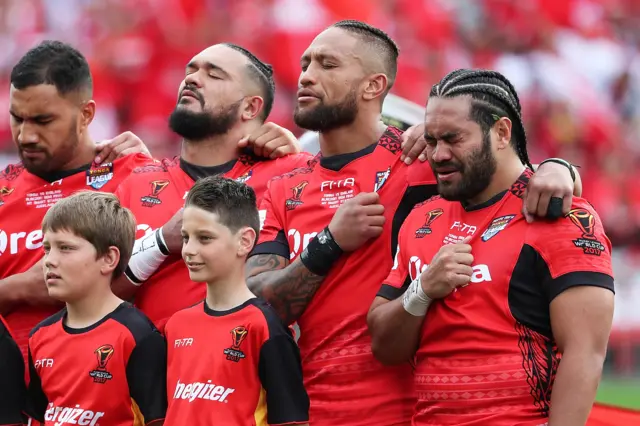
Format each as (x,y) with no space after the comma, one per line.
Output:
(235,367)
(110,373)
(487,355)
(12,386)
(347,386)
(24,199)
(154,193)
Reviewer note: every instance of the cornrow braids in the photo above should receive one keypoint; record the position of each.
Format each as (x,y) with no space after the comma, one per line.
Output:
(380,40)
(262,73)
(493,97)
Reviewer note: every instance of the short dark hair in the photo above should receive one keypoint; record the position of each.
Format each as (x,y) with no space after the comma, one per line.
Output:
(234,202)
(380,41)
(97,217)
(261,73)
(56,63)
(492,97)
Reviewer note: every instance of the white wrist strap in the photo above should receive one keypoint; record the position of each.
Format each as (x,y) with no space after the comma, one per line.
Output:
(148,254)
(414,300)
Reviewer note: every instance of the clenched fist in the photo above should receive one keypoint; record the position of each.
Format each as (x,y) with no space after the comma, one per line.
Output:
(449,269)
(357,221)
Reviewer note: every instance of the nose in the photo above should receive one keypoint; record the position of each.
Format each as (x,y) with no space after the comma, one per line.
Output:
(308,77)
(188,249)
(27,133)
(193,79)
(440,152)
(50,260)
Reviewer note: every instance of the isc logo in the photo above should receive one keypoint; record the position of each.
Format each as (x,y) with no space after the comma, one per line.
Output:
(179,343)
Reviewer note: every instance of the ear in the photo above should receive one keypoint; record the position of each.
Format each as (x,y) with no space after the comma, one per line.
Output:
(502,129)
(110,261)
(87,113)
(375,86)
(246,241)
(251,107)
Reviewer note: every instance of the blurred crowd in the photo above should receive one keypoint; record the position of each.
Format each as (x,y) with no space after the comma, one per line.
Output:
(575,64)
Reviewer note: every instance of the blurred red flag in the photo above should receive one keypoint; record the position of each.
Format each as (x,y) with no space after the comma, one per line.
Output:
(608,415)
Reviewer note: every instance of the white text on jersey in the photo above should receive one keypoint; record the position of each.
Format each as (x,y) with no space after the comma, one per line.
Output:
(480,274)
(337,184)
(187,341)
(71,416)
(197,390)
(12,242)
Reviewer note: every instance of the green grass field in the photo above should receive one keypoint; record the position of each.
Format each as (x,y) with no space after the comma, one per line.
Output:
(620,392)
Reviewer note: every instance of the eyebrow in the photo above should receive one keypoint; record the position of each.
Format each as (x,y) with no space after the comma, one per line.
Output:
(38,117)
(319,56)
(210,66)
(445,136)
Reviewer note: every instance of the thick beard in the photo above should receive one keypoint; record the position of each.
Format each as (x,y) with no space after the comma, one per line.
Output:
(476,173)
(54,163)
(197,126)
(325,117)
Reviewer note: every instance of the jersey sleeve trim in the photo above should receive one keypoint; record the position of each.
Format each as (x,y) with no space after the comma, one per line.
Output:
(279,246)
(390,292)
(576,279)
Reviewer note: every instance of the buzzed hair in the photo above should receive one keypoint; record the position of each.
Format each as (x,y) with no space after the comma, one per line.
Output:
(262,74)
(380,42)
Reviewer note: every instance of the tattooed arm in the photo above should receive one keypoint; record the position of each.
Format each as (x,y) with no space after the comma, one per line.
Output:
(287,287)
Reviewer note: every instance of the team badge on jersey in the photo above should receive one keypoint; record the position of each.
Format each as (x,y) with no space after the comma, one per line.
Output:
(585,222)
(497,225)
(294,201)
(100,373)
(245,177)
(381,178)
(430,218)
(157,186)
(238,335)
(4,191)
(98,176)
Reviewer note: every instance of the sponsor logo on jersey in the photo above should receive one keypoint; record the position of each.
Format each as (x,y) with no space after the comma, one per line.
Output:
(100,373)
(198,390)
(381,179)
(497,225)
(234,353)
(44,362)
(98,176)
(157,186)
(179,343)
(71,416)
(5,191)
(425,229)
(245,177)
(480,274)
(294,201)
(12,242)
(298,241)
(586,222)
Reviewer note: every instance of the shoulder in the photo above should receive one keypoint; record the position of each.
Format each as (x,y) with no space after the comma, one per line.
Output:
(48,322)
(11,172)
(391,140)
(273,325)
(134,320)
(184,315)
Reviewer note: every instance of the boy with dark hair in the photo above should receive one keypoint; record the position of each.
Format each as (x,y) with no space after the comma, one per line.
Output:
(230,358)
(99,360)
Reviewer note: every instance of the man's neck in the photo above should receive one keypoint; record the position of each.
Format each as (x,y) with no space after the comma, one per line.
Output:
(92,308)
(364,131)
(504,177)
(229,292)
(215,150)
(85,154)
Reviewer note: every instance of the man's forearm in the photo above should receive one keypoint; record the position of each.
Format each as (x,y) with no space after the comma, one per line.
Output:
(395,333)
(574,389)
(24,288)
(288,289)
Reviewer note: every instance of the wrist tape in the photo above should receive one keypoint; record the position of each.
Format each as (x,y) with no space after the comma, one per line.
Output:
(414,300)
(148,254)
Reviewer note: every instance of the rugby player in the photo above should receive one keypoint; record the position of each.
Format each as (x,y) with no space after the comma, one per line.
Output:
(508,321)
(328,238)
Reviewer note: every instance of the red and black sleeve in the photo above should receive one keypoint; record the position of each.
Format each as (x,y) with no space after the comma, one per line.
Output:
(273,238)
(12,386)
(37,401)
(398,279)
(280,372)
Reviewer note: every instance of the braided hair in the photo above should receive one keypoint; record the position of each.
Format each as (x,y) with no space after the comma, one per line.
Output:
(380,41)
(493,97)
(261,73)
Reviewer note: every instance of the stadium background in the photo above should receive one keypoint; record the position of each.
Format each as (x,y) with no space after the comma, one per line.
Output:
(575,63)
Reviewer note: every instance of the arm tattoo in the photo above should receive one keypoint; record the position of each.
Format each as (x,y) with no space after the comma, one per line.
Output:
(287,287)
